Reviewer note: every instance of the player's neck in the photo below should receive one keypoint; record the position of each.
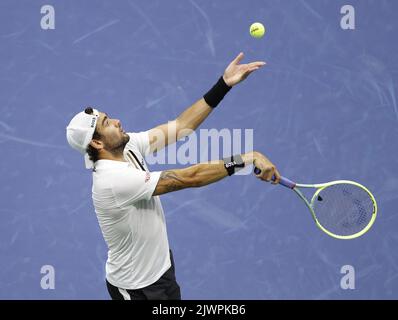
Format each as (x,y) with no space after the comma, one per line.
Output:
(111,156)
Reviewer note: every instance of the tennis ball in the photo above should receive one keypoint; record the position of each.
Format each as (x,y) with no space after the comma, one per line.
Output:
(257,30)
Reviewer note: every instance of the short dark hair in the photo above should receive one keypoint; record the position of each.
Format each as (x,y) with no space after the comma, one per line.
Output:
(91,151)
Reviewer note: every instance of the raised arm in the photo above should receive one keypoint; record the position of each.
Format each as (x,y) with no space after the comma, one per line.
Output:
(182,126)
(193,116)
(206,173)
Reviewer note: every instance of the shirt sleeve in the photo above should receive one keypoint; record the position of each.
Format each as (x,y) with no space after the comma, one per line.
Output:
(132,185)
(141,141)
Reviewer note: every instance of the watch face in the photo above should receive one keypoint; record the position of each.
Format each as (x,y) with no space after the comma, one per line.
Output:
(230,164)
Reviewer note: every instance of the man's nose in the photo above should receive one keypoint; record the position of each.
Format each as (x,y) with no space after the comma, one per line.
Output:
(117,121)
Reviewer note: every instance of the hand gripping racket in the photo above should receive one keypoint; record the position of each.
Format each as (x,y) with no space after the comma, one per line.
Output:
(342,209)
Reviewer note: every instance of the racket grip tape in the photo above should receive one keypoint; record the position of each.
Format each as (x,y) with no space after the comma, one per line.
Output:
(283,181)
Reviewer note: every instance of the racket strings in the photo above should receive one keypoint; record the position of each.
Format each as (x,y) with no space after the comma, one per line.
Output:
(343,209)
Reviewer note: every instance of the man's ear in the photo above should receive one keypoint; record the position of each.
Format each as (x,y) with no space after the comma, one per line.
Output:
(97,144)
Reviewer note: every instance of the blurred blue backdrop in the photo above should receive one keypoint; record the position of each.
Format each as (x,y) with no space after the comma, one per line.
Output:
(324,108)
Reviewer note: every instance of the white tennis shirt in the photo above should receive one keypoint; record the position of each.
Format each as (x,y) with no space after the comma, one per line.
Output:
(131,219)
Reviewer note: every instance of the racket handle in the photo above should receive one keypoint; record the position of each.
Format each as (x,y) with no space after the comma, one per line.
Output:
(283,181)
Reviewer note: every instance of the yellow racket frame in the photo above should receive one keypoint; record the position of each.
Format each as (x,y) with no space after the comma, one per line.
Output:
(322,186)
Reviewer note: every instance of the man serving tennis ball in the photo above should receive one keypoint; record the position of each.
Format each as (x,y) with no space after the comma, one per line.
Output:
(125,193)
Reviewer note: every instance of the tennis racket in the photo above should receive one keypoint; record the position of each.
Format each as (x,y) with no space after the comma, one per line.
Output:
(342,209)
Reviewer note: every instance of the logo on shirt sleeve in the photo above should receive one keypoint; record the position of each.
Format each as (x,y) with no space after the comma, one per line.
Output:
(147,176)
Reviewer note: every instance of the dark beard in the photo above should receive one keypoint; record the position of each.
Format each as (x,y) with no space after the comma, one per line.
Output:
(118,149)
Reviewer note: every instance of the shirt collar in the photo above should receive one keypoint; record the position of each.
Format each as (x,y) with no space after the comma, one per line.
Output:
(110,164)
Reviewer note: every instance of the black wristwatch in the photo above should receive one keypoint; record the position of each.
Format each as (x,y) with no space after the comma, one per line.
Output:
(233,164)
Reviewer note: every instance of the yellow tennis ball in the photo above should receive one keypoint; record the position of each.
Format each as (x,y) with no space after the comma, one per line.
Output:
(257,30)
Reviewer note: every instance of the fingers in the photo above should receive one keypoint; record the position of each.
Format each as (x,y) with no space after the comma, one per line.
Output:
(238,58)
(256,64)
(249,71)
(265,169)
(253,67)
(277,177)
(269,174)
(265,174)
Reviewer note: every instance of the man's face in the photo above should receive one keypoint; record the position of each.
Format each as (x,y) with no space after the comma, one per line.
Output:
(112,134)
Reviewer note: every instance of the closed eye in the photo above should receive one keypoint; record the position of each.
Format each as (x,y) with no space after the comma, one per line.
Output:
(105,119)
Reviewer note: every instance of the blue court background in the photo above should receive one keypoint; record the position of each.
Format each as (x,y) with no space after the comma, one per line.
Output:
(324,108)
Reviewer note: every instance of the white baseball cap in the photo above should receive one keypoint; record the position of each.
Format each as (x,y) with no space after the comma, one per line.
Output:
(79,133)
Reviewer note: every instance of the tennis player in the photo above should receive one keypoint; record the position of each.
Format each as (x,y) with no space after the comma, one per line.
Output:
(140,264)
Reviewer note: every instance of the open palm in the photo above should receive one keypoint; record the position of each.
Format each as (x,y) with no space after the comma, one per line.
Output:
(236,72)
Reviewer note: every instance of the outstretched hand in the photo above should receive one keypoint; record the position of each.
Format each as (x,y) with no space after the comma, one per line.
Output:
(236,72)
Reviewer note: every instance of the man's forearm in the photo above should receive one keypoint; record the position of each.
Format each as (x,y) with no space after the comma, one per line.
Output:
(192,177)
(195,176)
(192,117)
(182,126)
